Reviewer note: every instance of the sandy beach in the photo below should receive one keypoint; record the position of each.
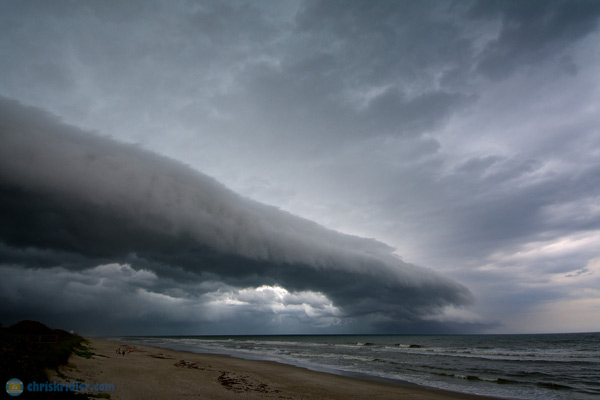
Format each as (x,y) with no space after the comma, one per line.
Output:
(156,373)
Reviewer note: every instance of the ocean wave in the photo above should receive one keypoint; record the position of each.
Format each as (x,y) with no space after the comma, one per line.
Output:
(511,367)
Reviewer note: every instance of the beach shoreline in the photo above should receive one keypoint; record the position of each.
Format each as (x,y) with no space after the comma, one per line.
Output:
(149,372)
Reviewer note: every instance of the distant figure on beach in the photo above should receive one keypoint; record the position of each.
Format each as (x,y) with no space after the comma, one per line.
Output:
(119,350)
(128,350)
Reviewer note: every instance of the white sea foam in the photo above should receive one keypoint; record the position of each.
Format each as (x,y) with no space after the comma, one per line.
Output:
(512,366)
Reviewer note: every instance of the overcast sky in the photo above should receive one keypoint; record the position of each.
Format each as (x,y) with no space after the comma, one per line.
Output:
(181,167)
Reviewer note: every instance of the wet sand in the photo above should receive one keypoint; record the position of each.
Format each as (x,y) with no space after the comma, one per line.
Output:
(156,373)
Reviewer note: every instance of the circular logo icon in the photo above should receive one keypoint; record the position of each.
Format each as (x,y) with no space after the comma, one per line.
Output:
(14,387)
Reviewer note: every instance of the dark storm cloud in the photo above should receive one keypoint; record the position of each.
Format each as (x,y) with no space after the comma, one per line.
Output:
(532,31)
(462,133)
(542,207)
(382,41)
(331,72)
(355,70)
(392,113)
(71,199)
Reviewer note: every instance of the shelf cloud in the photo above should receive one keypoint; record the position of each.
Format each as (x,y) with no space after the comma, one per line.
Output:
(74,202)
(463,136)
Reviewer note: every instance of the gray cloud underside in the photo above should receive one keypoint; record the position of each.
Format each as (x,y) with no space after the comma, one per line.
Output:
(462,133)
(75,200)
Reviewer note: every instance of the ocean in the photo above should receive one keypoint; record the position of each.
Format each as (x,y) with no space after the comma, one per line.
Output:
(549,366)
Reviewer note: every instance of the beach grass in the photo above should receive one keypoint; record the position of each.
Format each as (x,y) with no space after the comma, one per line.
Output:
(31,352)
